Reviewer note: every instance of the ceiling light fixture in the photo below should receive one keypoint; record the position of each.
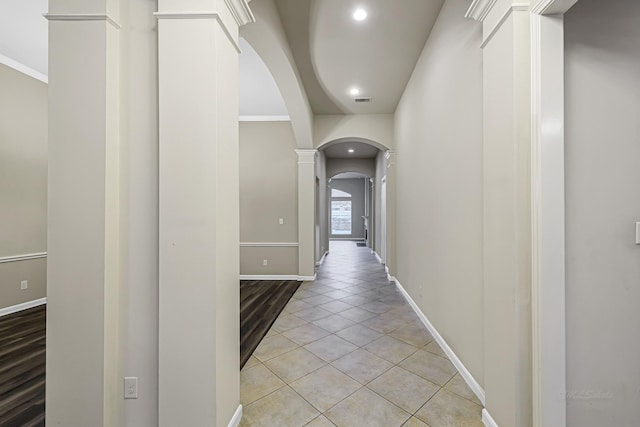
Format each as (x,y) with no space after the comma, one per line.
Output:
(354,91)
(351,150)
(360,15)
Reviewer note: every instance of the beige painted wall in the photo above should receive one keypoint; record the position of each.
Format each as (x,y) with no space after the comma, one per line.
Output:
(268,192)
(602,41)
(439,184)
(23,184)
(281,261)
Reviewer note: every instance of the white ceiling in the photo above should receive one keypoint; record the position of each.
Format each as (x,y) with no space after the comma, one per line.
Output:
(360,150)
(24,46)
(259,94)
(23,36)
(333,52)
(376,55)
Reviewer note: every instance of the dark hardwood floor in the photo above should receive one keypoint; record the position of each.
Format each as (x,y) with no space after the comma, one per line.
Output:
(23,339)
(261,302)
(22,368)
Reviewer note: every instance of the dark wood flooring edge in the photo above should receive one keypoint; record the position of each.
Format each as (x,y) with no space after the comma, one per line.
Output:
(271,297)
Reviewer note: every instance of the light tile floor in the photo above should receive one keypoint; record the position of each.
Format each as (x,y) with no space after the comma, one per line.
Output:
(349,351)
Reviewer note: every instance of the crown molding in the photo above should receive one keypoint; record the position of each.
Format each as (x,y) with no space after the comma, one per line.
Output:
(18,66)
(552,7)
(306,155)
(240,11)
(201,15)
(390,157)
(479,9)
(82,17)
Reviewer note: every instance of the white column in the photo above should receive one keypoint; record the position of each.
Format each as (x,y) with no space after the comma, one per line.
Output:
(390,217)
(84,386)
(199,375)
(507,209)
(548,243)
(306,213)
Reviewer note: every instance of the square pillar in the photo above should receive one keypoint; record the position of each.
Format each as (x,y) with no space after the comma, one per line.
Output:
(83,355)
(199,361)
(306,214)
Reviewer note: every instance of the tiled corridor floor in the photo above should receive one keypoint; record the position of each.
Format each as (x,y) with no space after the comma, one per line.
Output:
(349,351)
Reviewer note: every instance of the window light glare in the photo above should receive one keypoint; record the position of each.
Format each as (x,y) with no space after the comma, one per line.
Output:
(351,150)
(360,15)
(354,91)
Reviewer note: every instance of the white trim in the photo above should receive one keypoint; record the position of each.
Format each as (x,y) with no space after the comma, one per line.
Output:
(548,333)
(241,11)
(389,276)
(464,372)
(23,306)
(200,15)
(25,257)
(519,7)
(277,277)
(377,256)
(264,118)
(269,244)
(82,17)
(552,7)
(306,156)
(540,7)
(322,258)
(237,416)
(487,419)
(479,9)
(11,63)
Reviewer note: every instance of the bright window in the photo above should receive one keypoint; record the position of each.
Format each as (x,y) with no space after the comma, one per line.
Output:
(341,217)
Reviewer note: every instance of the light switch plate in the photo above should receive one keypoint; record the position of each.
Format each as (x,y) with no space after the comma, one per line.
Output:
(130,387)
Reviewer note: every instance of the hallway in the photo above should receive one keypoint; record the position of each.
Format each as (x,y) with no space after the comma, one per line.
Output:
(348,350)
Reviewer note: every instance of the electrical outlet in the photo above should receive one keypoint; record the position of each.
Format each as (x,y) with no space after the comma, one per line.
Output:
(24,284)
(130,387)
(281,221)
(265,262)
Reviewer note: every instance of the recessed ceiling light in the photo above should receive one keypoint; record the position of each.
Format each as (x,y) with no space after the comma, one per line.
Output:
(354,91)
(360,15)
(351,150)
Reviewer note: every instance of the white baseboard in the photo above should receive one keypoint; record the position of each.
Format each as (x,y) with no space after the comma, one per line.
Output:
(389,276)
(377,256)
(19,307)
(319,263)
(487,420)
(237,416)
(464,372)
(278,277)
